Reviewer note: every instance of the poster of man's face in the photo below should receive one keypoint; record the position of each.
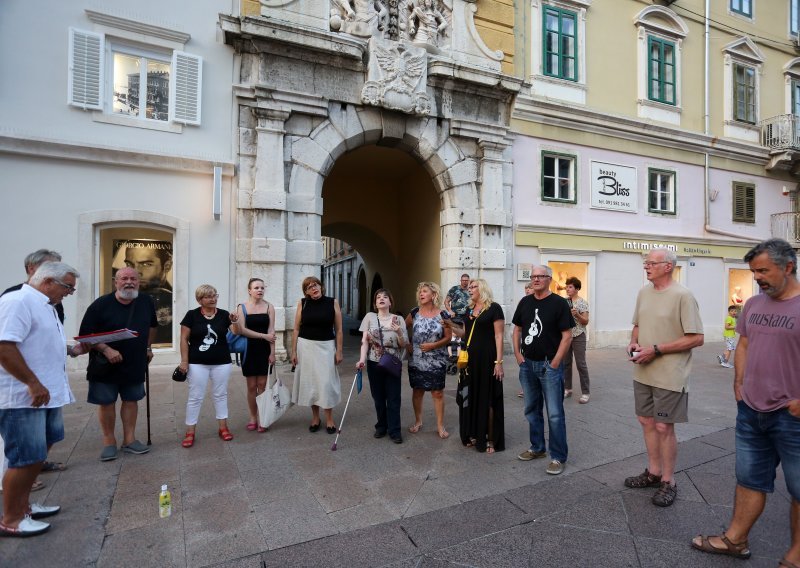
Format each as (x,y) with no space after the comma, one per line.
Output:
(152,260)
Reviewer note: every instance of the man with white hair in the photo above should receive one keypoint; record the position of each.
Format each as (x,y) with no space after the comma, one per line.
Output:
(666,327)
(33,388)
(118,371)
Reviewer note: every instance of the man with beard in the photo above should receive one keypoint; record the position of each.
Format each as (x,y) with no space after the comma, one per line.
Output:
(766,386)
(119,371)
(153,266)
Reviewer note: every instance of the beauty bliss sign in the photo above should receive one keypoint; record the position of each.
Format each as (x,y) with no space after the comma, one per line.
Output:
(613,187)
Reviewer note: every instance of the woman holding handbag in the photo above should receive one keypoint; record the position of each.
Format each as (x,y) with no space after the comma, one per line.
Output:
(316,350)
(480,385)
(383,342)
(427,367)
(206,359)
(256,322)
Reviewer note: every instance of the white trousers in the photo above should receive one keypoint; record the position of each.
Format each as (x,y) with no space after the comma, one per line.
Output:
(198,379)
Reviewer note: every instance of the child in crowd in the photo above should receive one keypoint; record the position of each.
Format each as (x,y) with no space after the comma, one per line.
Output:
(729,335)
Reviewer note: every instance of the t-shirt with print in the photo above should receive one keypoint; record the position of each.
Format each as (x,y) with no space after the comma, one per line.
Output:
(459,300)
(729,321)
(391,341)
(542,322)
(208,343)
(664,316)
(772,329)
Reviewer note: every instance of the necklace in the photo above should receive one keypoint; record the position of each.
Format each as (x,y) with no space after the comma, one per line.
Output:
(211,317)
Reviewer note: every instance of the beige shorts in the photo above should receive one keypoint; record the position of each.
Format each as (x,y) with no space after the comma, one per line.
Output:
(663,405)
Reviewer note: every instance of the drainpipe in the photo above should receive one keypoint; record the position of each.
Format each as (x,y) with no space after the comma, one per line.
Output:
(707,132)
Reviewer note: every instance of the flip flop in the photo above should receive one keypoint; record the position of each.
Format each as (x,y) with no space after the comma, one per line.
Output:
(444,434)
(37,486)
(53,466)
(415,428)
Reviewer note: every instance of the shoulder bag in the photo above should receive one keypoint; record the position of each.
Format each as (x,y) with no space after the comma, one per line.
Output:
(463,356)
(237,343)
(388,362)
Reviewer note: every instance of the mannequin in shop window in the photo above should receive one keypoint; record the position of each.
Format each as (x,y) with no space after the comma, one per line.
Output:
(736,297)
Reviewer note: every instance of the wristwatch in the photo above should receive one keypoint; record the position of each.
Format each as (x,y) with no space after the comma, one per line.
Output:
(657,350)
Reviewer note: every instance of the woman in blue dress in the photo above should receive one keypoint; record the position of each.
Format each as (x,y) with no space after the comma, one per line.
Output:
(427,367)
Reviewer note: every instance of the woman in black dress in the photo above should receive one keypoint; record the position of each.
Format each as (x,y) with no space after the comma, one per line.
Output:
(258,326)
(480,387)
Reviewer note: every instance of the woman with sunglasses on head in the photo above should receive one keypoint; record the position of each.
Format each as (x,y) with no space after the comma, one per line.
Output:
(316,350)
(258,326)
(205,358)
(480,386)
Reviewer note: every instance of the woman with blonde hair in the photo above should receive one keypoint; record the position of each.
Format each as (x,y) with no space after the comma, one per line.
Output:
(427,367)
(316,350)
(205,357)
(480,387)
(256,321)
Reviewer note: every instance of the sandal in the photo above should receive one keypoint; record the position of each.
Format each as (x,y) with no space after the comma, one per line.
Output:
(53,466)
(489,447)
(444,434)
(225,434)
(738,550)
(188,440)
(251,426)
(644,479)
(415,428)
(471,443)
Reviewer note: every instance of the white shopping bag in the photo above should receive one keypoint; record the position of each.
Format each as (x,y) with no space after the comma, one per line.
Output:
(273,402)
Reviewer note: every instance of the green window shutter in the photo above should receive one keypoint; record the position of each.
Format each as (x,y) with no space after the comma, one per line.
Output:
(744,203)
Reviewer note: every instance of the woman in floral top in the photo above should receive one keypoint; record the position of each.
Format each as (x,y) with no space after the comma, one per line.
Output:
(383,332)
(580,313)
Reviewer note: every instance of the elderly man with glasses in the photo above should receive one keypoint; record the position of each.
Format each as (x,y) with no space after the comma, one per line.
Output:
(666,327)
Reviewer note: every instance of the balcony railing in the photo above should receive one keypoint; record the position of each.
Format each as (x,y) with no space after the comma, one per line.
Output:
(786,226)
(781,132)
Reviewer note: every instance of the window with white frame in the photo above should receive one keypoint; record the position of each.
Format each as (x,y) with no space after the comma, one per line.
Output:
(558,177)
(143,85)
(660,38)
(661,191)
(742,7)
(558,32)
(743,61)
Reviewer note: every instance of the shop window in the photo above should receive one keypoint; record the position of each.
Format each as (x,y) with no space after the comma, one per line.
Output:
(560,48)
(661,71)
(661,191)
(558,177)
(149,251)
(564,270)
(744,93)
(742,7)
(744,202)
(740,287)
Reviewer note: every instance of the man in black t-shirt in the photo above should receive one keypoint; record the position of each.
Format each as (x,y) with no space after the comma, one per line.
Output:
(541,339)
(124,374)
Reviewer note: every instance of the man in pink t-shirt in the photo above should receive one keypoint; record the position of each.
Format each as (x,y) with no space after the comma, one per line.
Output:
(767,390)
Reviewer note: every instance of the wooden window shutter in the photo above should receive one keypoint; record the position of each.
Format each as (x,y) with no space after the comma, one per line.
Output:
(744,203)
(185,88)
(85,76)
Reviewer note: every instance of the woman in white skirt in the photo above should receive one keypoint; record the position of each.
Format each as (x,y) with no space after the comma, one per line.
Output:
(316,350)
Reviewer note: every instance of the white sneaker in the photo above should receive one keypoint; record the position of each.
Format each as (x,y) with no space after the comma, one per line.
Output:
(26,527)
(721,359)
(727,365)
(38,511)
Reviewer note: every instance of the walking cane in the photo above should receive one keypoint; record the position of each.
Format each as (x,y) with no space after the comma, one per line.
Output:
(147,396)
(355,380)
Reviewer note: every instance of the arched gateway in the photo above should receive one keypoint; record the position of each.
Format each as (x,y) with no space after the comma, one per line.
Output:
(308,94)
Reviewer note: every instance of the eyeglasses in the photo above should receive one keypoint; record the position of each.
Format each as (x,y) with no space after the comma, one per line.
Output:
(211,296)
(312,285)
(70,289)
(649,263)
(540,276)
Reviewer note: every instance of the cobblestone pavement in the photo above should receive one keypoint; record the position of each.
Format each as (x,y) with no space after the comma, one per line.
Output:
(283,498)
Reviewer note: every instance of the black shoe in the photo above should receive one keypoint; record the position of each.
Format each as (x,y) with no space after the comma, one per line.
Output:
(379,433)
(330,429)
(313,427)
(397,440)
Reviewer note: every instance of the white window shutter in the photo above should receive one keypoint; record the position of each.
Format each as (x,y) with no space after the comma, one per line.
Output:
(185,88)
(85,77)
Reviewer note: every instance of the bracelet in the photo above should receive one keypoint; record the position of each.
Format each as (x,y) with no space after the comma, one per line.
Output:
(500,362)
(657,350)
(150,349)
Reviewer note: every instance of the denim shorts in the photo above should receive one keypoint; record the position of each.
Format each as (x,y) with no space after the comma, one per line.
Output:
(107,393)
(764,440)
(27,432)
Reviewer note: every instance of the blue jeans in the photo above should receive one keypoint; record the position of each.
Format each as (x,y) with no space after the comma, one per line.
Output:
(541,383)
(385,391)
(764,440)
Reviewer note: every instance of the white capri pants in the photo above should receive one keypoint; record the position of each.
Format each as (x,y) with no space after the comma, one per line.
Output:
(199,376)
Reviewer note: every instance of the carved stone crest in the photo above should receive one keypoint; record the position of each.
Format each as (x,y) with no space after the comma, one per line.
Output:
(397,77)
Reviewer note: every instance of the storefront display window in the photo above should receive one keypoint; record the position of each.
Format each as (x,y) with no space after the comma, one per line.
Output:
(564,270)
(149,251)
(740,287)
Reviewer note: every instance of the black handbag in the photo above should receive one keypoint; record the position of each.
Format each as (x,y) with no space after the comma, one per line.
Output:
(388,362)
(178,376)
